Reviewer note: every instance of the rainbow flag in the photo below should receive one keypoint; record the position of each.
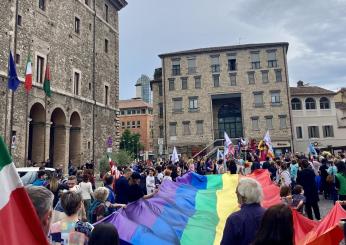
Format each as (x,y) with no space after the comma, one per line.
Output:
(189,211)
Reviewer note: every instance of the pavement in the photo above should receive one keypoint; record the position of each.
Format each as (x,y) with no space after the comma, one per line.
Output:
(325,206)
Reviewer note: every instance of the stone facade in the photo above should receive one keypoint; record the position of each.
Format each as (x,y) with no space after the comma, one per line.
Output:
(137,116)
(80,42)
(315,107)
(233,88)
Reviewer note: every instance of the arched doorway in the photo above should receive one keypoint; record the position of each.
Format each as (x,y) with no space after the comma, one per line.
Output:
(75,139)
(229,120)
(36,134)
(57,143)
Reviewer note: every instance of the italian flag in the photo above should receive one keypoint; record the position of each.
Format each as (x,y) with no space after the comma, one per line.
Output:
(28,75)
(19,223)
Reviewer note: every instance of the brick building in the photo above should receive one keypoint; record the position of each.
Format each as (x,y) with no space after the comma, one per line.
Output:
(137,116)
(80,41)
(243,90)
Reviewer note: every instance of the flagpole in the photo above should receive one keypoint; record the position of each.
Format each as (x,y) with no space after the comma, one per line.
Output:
(7,90)
(26,119)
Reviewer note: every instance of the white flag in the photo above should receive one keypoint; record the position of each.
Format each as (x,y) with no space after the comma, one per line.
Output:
(175,157)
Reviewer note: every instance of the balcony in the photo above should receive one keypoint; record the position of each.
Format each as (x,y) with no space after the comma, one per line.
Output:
(193,109)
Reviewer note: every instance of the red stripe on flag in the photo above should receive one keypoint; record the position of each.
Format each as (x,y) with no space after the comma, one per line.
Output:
(19,222)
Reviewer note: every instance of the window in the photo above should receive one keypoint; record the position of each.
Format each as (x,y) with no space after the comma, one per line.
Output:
(269,122)
(128,112)
(122,112)
(233,79)
(19,20)
(215,65)
(160,110)
(216,80)
(106,95)
(232,62)
(186,128)
(133,124)
(175,67)
(160,89)
(299,132)
(173,129)
(199,127)
(265,78)
(106,46)
(141,111)
(198,83)
(161,131)
(272,62)
(193,104)
(17,59)
(255,60)
(88,145)
(278,75)
(171,86)
(76,80)
(258,99)
(324,103)
(283,123)
(122,125)
(275,97)
(86,2)
(133,112)
(177,104)
(255,123)
(138,124)
(310,104)
(42,4)
(191,64)
(296,104)
(39,69)
(184,83)
(128,125)
(89,85)
(313,132)
(251,77)
(76,25)
(106,12)
(328,131)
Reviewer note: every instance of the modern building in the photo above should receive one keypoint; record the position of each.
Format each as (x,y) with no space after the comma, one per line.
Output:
(314,119)
(243,90)
(137,116)
(80,42)
(143,89)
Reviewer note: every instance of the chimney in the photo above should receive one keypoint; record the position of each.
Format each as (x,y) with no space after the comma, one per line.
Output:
(300,83)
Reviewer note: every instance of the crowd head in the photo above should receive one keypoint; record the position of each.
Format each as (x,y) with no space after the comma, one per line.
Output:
(249,191)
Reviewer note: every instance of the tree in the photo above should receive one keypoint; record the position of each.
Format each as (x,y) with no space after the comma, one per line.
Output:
(130,142)
(122,158)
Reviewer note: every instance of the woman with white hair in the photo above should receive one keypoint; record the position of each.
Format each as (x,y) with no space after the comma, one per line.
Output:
(241,226)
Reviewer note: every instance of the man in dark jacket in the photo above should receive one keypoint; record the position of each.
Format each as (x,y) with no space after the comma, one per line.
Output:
(241,226)
(306,178)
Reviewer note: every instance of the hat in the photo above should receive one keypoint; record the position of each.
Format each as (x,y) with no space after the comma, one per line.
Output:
(135,175)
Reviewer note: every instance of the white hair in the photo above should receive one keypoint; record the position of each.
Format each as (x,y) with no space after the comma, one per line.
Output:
(41,198)
(250,191)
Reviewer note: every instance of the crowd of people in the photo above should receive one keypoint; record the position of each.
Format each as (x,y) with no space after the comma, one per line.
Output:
(67,206)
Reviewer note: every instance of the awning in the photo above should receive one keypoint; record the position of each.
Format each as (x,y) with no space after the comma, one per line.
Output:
(281,144)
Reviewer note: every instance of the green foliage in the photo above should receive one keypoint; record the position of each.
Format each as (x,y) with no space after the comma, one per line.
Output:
(122,158)
(130,142)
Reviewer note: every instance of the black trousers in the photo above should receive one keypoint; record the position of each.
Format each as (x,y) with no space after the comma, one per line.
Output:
(316,209)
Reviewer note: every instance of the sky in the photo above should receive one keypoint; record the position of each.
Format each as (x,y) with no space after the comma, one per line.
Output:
(315,30)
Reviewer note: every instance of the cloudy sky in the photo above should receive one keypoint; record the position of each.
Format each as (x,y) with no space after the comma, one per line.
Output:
(315,29)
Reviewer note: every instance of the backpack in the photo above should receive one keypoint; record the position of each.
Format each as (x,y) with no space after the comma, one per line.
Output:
(93,210)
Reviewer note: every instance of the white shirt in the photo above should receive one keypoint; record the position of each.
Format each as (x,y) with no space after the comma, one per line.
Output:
(86,190)
(167,178)
(160,177)
(150,184)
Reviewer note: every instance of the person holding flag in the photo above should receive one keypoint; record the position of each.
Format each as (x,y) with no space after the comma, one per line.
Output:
(175,157)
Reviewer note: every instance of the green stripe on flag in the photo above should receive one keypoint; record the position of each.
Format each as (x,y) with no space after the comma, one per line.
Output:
(5,157)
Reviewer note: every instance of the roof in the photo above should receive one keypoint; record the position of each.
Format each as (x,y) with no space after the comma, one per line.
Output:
(224,48)
(310,90)
(133,103)
(119,4)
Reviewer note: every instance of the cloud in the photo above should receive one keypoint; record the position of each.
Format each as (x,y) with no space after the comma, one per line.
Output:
(315,30)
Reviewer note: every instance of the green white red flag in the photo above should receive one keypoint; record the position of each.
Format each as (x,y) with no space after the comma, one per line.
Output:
(19,223)
(28,75)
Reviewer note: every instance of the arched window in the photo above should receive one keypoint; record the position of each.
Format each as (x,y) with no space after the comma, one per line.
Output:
(310,104)
(296,104)
(324,103)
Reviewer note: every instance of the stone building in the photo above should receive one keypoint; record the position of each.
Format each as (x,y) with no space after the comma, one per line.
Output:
(240,89)
(137,116)
(80,42)
(340,105)
(314,119)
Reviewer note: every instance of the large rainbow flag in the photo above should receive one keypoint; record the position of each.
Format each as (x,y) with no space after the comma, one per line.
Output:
(194,210)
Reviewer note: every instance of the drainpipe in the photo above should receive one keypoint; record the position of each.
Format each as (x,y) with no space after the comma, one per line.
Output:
(94,80)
